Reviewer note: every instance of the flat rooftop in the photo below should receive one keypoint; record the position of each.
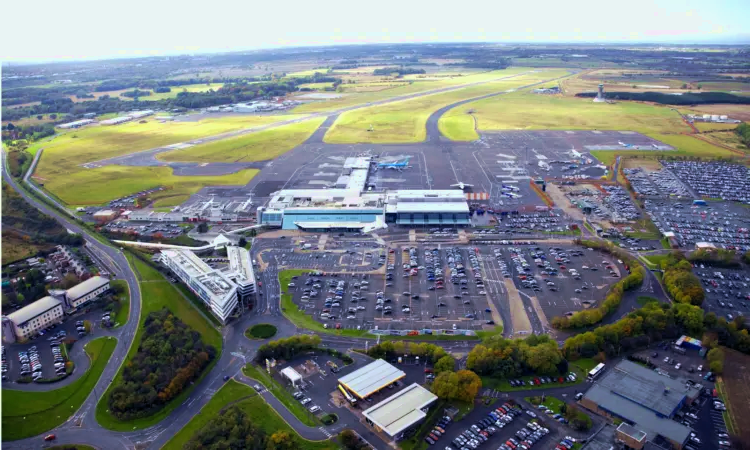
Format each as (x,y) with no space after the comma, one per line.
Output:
(241,263)
(371,378)
(216,283)
(401,410)
(32,310)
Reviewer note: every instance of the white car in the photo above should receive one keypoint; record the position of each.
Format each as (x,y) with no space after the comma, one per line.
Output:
(677,366)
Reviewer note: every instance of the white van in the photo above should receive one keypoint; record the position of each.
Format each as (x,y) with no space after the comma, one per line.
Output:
(315,409)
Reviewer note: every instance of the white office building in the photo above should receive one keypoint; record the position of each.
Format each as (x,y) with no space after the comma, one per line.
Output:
(241,270)
(215,289)
(86,292)
(27,321)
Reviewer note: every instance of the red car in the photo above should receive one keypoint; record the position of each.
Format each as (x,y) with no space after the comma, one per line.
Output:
(50,437)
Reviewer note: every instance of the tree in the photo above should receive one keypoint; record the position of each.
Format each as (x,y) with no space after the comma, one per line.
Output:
(445,385)
(53,116)
(715,358)
(281,440)
(242,242)
(446,363)
(202,227)
(39,117)
(349,439)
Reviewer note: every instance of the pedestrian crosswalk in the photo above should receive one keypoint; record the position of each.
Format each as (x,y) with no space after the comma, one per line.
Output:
(324,431)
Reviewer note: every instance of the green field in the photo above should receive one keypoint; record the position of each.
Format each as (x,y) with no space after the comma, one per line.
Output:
(709,126)
(60,171)
(405,121)
(177,89)
(262,415)
(281,393)
(316,86)
(684,144)
(527,111)
(400,88)
(157,293)
(27,414)
(260,146)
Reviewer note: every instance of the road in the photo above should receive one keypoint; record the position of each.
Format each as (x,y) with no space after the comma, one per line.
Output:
(237,349)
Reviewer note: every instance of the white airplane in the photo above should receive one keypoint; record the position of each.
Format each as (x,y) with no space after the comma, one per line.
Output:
(576,154)
(511,195)
(461,185)
(510,188)
(624,144)
(655,146)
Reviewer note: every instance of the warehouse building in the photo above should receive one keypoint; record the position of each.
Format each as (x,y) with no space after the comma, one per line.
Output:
(371,378)
(223,291)
(644,399)
(27,321)
(401,411)
(76,124)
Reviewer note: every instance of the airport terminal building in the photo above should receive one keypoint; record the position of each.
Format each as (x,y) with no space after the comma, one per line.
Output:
(352,205)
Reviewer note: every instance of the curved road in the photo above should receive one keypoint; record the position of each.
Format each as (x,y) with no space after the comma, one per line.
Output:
(82,427)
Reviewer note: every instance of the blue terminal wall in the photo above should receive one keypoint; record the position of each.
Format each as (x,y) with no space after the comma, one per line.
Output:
(354,215)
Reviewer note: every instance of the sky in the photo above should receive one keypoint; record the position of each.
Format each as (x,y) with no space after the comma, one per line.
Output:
(49,30)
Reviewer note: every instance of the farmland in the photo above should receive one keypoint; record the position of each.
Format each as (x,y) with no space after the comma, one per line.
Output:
(260,146)
(405,121)
(60,171)
(527,111)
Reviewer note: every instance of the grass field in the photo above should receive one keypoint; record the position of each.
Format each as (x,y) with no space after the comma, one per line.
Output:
(260,146)
(405,121)
(527,111)
(415,86)
(316,86)
(685,145)
(281,393)
(728,138)
(177,89)
(710,126)
(27,414)
(244,397)
(60,171)
(85,186)
(157,293)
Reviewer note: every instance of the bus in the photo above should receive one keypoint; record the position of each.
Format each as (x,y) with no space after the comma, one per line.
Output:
(348,396)
(596,371)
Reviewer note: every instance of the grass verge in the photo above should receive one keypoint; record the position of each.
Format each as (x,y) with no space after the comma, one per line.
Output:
(282,394)
(156,294)
(27,414)
(550,402)
(244,397)
(728,416)
(123,310)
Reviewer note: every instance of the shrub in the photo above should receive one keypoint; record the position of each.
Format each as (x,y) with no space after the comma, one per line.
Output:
(261,331)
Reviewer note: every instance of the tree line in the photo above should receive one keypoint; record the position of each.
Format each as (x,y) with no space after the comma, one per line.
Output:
(399,70)
(743,132)
(687,98)
(611,302)
(392,350)
(287,348)
(719,257)
(499,357)
(170,357)
(234,429)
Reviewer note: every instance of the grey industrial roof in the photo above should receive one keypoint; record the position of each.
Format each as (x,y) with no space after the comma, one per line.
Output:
(401,410)
(644,419)
(371,378)
(28,312)
(87,286)
(636,394)
(644,387)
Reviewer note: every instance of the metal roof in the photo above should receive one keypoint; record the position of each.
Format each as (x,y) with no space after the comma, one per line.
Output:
(291,374)
(401,410)
(33,310)
(371,378)
(87,286)
(631,431)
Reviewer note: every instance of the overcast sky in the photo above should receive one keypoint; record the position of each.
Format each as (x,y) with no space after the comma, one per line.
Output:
(95,29)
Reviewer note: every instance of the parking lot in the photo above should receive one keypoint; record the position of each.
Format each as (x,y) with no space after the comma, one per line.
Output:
(424,287)
(713,179)
(727,291)
(563,280)
(721,223)
(44,352)
(655,183)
